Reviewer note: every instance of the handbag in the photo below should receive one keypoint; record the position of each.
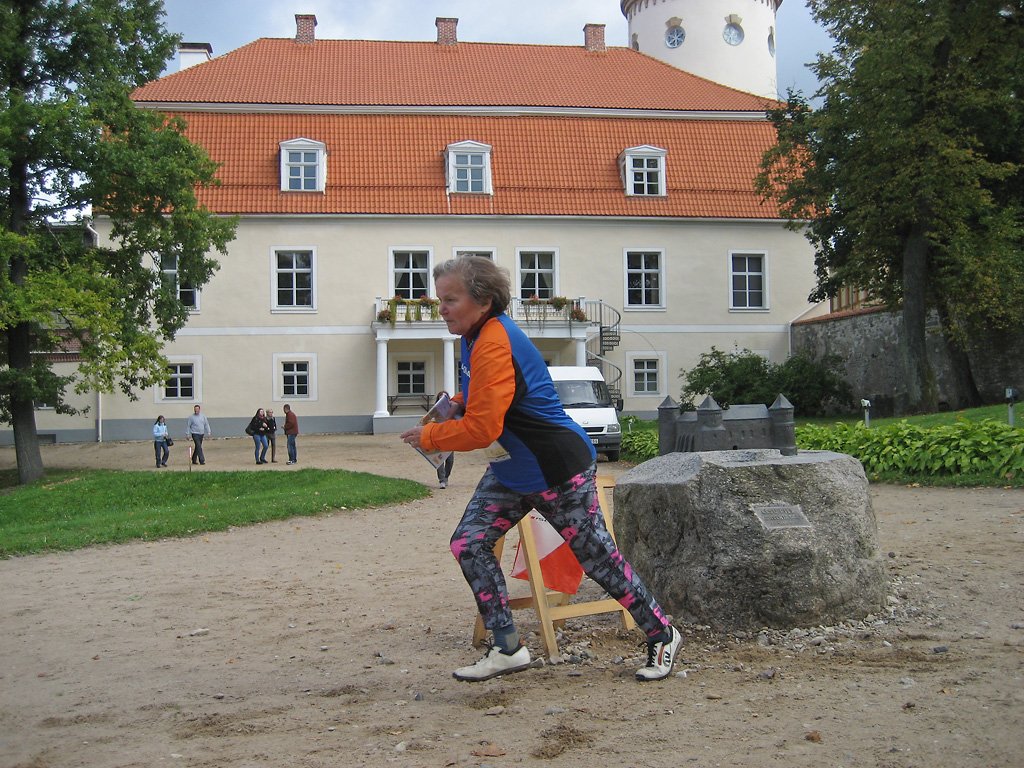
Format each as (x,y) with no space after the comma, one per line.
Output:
(250,431)
(168,442)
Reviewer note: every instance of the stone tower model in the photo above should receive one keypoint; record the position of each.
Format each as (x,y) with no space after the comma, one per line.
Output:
(731,42)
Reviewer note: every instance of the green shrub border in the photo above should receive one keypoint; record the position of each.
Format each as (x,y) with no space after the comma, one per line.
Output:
(640,445)
(976,452)
(984,448)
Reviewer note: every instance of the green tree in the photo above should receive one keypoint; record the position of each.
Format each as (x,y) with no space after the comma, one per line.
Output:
(813,387)
(70,136)
(908,177)
(730,377)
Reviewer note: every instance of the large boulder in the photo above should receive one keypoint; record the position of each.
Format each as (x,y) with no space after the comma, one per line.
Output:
(749,539)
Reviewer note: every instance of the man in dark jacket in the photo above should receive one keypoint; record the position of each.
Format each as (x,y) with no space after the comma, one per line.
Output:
(291,431)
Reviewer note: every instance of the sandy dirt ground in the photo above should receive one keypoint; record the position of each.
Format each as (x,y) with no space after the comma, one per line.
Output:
(330,641)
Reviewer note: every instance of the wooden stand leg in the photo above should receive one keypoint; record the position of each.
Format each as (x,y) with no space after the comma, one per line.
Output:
(604,486)
(479,630)
(553,598)
(554,607)
(538,592)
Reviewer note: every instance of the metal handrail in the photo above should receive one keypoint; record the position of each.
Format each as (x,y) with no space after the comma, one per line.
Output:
(611,372)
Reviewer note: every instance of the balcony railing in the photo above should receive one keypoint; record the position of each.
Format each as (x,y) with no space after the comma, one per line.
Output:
(549,316)
(558,310)
(395,311)
(525,311)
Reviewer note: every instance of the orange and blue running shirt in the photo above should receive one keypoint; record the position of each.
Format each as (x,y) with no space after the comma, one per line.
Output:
(508,396)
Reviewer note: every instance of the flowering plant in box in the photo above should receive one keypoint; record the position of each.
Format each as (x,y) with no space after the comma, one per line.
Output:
(413,308)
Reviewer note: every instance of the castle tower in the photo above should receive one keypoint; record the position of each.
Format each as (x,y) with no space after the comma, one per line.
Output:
(729,41)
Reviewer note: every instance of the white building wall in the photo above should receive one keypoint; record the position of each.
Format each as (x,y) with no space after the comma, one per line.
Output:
(749,66)
(53,427)
(237,338)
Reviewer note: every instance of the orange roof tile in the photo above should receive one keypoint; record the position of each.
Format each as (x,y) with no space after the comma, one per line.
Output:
(393,164)
(419,74)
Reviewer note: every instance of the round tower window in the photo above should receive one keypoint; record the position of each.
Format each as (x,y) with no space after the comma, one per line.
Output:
(674,36)
(733,34)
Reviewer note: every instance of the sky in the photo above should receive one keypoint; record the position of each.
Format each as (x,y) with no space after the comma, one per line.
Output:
(229,24)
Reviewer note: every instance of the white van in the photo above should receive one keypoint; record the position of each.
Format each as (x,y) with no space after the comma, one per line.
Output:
(586,400)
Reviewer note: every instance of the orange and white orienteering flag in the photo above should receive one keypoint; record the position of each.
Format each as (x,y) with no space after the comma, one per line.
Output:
(558,565)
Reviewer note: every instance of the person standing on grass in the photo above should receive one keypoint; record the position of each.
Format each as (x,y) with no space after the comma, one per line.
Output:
(160,441)
(272,435)
(550,465)
(198,427)
(291,432)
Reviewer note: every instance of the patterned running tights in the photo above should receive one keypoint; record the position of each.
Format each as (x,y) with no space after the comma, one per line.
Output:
(572,509)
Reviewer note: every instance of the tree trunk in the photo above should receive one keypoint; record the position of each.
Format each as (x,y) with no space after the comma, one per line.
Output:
(23,414)
(967,388)
(921,396)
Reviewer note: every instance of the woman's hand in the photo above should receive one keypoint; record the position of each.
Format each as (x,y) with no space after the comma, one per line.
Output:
(412,436)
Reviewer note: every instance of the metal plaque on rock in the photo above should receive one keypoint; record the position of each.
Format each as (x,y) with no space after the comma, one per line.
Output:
(777,515)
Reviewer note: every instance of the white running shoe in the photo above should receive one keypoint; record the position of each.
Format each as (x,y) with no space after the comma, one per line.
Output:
(660,657)
(494,663)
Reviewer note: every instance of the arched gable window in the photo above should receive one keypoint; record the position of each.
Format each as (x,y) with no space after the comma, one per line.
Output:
(303,165)
(468,168)
(643,170)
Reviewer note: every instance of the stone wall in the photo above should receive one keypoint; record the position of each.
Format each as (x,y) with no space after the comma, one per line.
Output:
(868,341)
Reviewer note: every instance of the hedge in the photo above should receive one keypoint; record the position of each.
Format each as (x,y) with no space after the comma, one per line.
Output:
(986,448)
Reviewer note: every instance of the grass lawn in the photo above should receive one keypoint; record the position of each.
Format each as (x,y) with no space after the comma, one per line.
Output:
(72,509)
(993,412)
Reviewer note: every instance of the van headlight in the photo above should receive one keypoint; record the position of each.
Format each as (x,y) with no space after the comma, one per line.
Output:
(614,429)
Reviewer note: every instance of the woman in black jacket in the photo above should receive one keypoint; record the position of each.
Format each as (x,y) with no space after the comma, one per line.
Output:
(259,428)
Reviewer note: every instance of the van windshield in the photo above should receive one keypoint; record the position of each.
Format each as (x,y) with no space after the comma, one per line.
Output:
(583,394)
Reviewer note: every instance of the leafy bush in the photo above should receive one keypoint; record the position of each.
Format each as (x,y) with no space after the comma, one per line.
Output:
(640,445)
(740,377)
(814,387)
(981,448)
(817,386)
(965,452)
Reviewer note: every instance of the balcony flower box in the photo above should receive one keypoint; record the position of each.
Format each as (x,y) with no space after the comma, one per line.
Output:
(413,310)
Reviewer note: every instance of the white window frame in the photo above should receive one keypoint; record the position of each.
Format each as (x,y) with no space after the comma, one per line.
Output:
(670,37)
(277,376)
(274,274)
(173,273)
(412,374)
(662,283)
(480,250)
(303,146)
(392,272)
(766,304)
(630,374)
(430,383)
(518,288)
(653,160)
(455,175)
(196,361)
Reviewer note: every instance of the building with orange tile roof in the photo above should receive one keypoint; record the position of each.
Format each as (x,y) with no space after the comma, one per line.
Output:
(616,190)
